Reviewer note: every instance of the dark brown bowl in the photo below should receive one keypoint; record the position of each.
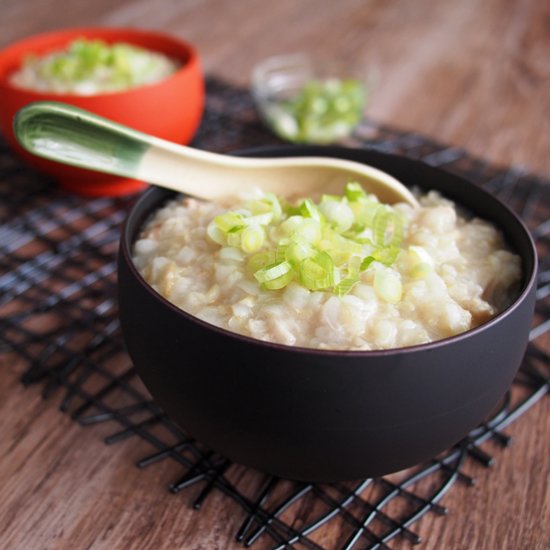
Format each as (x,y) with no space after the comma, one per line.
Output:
(326,415)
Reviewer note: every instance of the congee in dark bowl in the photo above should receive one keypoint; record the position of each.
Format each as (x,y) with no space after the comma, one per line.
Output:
(294,338)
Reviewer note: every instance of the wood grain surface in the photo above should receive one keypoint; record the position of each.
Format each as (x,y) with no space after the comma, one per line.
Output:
(469,73)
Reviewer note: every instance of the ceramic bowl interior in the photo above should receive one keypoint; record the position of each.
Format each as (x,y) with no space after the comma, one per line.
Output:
(170,109)
(326,415)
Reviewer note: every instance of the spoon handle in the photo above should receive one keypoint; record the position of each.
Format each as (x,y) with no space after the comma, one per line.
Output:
(67,134)
(70,135)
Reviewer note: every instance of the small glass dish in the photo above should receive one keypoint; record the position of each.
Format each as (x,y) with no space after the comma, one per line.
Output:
(308,100)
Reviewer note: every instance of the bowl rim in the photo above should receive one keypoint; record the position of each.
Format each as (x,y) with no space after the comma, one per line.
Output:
(528,278)
(188,56)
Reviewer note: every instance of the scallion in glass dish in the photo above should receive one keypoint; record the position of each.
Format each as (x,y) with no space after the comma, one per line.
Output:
(308,100)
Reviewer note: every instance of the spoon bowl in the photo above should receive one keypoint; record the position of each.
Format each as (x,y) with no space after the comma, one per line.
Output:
(69,135)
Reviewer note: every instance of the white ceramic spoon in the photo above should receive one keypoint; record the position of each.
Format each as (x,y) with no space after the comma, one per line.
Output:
(69,135)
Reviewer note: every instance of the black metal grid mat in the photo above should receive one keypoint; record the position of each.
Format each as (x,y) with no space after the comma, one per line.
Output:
(58,317)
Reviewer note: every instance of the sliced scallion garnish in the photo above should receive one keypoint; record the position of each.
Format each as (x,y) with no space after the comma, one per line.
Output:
(324,246)
(275,276)
(252,238)
(323,111)
(317,273)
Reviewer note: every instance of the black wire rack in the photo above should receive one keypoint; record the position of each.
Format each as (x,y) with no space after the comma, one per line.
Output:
(58,317)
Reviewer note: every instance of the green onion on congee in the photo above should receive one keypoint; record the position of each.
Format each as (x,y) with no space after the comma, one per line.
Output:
(89,67)
(344,272)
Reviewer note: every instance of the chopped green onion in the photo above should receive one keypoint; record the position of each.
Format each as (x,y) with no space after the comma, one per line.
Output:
(323,111)
(309,210)
(252,238)
(232,254)
(338,214)
(387,227)
(275,276)
(421,263)
(365,264)
(230,221)
(260,260)
(354,192)
(279,282)
(351,278)
(309,230)
(420,255)
(345,286)
(273,271)
(291,224)
(386,255)
(215,233)
(317,273)
(259,219)
(324,246)
(274,203)
(387,285)
(298,250)
(94,66)
(233,238)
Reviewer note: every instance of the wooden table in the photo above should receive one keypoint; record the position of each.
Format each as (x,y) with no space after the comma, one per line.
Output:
(472,74)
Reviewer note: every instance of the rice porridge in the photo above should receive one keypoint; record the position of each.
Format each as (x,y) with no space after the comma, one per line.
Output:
(89,67)
(343,273)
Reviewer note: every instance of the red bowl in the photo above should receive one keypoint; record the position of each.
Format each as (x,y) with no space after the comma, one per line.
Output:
(170,109)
